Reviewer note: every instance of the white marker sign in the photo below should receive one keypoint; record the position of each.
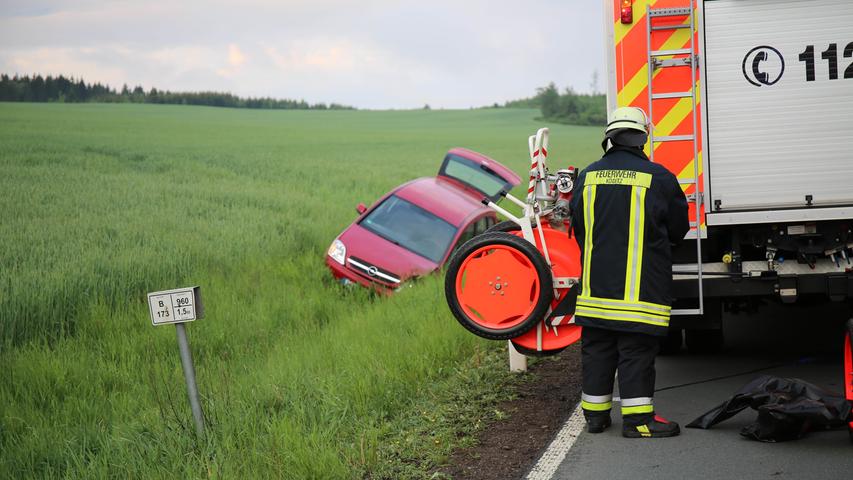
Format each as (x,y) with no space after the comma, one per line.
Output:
(175,306)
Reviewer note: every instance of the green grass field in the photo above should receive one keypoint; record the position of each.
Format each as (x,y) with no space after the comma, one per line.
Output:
(300,377)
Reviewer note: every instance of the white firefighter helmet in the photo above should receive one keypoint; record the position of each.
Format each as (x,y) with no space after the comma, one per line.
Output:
(628,127)
(628,117)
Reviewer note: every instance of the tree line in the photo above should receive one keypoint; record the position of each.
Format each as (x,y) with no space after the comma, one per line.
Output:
(567,107)
(37,88)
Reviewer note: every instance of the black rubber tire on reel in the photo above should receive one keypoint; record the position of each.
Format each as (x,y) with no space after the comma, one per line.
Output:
(505,226)
(502,241)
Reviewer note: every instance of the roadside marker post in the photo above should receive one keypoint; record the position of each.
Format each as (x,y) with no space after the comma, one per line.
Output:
(517,361)
(177,307)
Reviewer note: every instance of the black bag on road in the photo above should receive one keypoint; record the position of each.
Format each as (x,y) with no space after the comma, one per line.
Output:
(788,408)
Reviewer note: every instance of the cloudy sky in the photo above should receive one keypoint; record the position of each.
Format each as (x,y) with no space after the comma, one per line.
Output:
(366,53)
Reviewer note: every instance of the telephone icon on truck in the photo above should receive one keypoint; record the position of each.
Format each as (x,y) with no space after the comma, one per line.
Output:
(761,63)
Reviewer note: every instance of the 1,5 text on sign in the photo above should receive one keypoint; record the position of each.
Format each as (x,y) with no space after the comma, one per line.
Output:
(175,306)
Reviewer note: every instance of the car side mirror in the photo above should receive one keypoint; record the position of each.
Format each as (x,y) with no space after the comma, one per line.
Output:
(360,208)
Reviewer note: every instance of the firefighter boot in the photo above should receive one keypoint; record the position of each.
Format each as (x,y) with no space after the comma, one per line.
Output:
(655,427)
(597,422)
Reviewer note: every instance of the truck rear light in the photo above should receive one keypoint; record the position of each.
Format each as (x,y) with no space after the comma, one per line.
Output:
(627,12)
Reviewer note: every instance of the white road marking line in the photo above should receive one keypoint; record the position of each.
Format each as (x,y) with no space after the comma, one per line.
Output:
(548,463)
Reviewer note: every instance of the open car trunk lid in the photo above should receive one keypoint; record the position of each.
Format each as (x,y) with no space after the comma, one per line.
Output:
(478,172)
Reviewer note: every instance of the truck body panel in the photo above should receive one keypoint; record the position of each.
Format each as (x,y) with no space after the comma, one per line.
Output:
(771,169)
(628,85)
(778,136)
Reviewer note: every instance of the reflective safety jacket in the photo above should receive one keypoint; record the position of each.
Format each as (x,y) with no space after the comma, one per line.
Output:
(626,214)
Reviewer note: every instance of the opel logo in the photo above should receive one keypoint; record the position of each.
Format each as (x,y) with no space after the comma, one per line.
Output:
(763,65)
(372,271)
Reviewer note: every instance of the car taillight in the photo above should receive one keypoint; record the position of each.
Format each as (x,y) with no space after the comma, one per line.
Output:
(627,12)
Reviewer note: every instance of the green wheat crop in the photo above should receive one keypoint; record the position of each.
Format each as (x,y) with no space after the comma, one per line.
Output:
(300,377)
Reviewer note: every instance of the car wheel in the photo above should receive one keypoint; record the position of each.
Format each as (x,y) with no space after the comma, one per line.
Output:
(498,286)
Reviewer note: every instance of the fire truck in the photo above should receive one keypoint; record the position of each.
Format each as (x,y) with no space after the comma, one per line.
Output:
(751,108)
(751,103)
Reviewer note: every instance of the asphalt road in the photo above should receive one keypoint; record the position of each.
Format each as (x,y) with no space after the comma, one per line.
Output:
(801,343)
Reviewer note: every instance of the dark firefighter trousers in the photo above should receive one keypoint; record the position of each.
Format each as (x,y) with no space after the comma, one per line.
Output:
(633,354)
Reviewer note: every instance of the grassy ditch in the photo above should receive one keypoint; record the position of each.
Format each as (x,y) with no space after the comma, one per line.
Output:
(301,378)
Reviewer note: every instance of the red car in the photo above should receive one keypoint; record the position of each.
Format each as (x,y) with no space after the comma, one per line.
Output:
(412,230)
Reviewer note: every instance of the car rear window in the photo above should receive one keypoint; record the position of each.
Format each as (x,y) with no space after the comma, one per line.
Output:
(475,175)
(411,227)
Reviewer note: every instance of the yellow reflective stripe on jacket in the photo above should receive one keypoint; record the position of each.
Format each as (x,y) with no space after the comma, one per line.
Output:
(619,177)
(636,229)
(616,304)
(622,316)
(588,223)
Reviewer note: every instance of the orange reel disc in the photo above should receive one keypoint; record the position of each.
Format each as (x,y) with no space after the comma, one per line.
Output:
(497,286)
(552,335)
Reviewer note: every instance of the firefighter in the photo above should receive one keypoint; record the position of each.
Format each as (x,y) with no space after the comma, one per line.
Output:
(626,213)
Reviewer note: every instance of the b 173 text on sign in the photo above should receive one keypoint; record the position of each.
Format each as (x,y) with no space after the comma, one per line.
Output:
(174,306)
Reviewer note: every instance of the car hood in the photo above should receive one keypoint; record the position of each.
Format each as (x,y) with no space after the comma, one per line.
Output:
(369,248)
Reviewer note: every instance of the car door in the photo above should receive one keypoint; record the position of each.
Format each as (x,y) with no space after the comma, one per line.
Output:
(476,227)
(467,234)
(483,224)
